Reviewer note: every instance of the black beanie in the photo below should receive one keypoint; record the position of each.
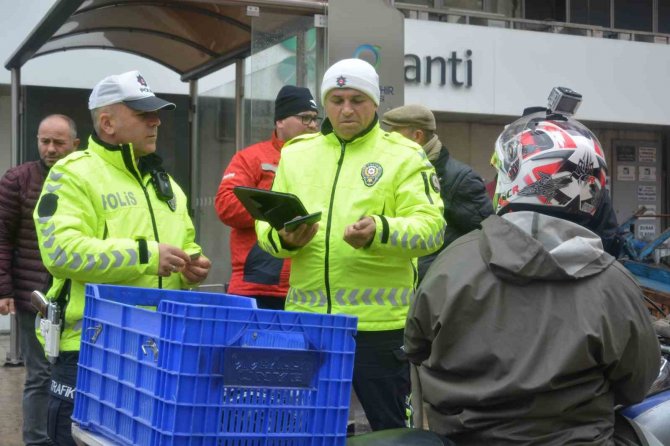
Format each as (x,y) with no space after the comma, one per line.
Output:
(293,100)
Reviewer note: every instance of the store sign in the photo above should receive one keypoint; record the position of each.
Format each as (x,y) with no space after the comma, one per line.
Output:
(487,70)
(457,69)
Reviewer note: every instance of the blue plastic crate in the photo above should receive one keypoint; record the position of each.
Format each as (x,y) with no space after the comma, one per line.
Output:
(209,369)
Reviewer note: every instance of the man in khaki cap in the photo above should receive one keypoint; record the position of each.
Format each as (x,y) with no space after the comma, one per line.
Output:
(463,191)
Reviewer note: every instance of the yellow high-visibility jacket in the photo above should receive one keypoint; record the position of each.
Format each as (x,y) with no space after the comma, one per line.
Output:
(99,220)
(379,174)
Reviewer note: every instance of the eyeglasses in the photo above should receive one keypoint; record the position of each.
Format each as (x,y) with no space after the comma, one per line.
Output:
(308,119)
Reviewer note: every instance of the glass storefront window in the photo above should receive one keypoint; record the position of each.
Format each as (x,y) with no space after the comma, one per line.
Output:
(664,17)
(590,12)
(463,4)
(636,15)
(429,3)
(553,10)
(633,14)
(508,8)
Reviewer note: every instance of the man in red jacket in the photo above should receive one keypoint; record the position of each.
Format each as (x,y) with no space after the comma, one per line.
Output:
(21,268)
(256,273)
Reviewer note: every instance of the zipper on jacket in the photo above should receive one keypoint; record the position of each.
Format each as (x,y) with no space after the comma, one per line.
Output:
(130,165)
(330,218)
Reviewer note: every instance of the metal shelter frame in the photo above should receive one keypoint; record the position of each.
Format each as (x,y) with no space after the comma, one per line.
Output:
(194,38)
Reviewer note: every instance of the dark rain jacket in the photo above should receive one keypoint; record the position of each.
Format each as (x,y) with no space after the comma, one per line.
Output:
(21,268)
(529,334)
(466,203)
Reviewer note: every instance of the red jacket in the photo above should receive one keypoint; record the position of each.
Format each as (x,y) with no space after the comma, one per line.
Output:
(255,272)
(21,268)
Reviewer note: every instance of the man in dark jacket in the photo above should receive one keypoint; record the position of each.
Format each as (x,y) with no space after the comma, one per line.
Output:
(463,191)
(21,268)
(527,331)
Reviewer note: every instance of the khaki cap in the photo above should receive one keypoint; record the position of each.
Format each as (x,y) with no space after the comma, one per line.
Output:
(416,116)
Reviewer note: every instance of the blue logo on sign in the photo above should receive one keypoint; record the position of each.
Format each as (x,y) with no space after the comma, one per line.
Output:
(369,53)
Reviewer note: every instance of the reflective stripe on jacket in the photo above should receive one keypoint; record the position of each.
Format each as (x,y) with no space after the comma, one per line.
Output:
(99,220)
(379,174)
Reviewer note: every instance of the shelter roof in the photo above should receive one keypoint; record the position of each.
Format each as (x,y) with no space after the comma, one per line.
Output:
(193,38)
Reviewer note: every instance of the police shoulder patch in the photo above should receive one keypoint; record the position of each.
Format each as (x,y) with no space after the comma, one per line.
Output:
(47,205)
(75,156)
(305,136)
(397,138)
(299,138)
(435,182)
(371,173)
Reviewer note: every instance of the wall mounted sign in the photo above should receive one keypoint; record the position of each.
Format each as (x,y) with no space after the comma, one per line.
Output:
(648,155)
(625,154)
(625,173)
(646,193)
(647,173)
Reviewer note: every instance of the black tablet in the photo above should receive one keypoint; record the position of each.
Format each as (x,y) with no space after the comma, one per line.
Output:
(310,219)
(276,208)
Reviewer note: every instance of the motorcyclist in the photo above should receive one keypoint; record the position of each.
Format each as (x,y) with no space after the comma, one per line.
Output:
(527,331)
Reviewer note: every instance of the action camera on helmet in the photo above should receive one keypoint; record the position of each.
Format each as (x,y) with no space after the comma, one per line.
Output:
(563,101)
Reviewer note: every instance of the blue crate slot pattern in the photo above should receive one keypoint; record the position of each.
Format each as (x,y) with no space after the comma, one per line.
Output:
(214,370)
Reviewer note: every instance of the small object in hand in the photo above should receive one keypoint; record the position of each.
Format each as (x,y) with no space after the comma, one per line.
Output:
(310,219)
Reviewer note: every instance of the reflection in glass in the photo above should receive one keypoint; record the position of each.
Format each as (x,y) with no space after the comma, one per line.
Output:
(552,10)
(664,17)
(590,12)
(633,14)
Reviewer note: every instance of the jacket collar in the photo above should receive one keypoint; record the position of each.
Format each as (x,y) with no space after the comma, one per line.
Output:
(327,130)
(442,158)
(121,156)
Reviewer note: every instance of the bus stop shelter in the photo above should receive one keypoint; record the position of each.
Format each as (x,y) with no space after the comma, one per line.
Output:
(195,38)
(192,38)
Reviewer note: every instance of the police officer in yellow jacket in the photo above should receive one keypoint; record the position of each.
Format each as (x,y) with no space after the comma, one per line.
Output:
(111,214)
(381,207)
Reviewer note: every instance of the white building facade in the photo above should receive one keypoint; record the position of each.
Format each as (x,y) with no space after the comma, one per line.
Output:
(477,78)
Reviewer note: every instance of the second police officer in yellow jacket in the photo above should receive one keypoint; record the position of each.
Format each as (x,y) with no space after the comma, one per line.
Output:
(379,196)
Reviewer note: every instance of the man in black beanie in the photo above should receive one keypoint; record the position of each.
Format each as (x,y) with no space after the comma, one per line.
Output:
(256,273)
